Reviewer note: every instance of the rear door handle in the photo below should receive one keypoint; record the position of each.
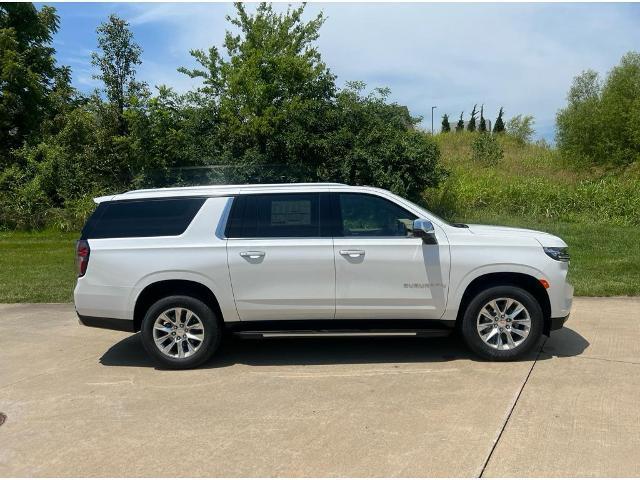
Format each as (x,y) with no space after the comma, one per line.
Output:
(352,253)
(252,254)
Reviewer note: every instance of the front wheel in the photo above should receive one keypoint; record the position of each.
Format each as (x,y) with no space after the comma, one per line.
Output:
(180,332)
(502,323)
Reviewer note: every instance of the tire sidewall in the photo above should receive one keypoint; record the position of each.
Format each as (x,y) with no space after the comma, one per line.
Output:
(212,331)
(470,332)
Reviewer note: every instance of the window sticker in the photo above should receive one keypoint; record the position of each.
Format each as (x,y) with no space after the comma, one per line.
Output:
(290,212)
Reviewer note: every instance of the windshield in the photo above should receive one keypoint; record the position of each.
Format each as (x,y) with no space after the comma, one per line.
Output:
(428,212)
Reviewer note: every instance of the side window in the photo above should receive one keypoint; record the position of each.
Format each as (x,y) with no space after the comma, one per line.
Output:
(371,216)
(142,218)
(275,216)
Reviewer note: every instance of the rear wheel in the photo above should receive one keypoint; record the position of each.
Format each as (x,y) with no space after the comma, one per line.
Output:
(180,332)
(502,323)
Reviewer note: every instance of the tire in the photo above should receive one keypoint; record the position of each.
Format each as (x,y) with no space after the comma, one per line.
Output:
(508,326)
(199,335)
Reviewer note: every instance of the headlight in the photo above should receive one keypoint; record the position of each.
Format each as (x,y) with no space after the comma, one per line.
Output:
(560,254)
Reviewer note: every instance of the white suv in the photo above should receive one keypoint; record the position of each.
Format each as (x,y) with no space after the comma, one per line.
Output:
(187,265)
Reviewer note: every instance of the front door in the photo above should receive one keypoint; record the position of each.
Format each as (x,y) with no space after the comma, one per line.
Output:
(381,271)
(281,258)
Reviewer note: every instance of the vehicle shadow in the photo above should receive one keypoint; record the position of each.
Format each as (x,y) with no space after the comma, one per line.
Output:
(563,343)
(335,351)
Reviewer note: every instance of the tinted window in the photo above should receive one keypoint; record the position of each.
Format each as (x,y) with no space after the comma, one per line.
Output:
(142,218)
(371,216)
(277,215)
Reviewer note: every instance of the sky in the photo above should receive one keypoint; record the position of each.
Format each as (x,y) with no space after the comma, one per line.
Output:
(520,56)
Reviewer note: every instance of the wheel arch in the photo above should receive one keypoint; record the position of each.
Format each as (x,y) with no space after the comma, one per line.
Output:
(515,279)
(164,288)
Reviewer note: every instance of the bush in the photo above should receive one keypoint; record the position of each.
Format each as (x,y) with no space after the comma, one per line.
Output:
(486,150)
(23,201)
(521,128)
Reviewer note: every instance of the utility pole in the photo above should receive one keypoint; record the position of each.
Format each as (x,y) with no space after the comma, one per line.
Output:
(432,109)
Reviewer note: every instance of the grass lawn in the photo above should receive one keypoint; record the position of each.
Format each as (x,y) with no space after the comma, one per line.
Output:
(605,259)
(39,267)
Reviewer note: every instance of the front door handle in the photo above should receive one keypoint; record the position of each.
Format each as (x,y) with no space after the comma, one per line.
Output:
(352,253)
(252,254)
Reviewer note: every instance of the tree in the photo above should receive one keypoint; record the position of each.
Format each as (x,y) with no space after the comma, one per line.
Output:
(268,110)
(28,72)
(521,128)
(579,134)
(601,122)
(472,121)
(445,124)
(620,110)
(376,143)
(460,124)
(279,116)
(498,127)
(483,122)
(271,94)
(117,62)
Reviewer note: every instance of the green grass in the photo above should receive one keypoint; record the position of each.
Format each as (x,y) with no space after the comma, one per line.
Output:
(605,259)
(532,181)
(37,267)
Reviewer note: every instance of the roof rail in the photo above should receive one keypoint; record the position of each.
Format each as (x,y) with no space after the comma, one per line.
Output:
(246,185)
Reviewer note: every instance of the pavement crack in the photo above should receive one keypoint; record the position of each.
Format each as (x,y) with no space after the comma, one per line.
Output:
(608,360)
(511,409)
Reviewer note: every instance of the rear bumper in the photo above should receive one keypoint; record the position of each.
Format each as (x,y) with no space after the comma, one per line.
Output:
(108,323)
(558,322)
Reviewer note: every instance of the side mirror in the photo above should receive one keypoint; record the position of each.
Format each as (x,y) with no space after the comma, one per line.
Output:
(423,229)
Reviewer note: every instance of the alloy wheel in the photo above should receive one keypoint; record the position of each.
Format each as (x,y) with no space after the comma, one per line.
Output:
(178,332)
(503,323)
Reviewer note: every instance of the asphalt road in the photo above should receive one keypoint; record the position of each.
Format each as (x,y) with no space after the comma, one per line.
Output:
(87,402)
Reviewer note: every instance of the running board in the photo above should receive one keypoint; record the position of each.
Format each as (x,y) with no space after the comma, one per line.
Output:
(343,333)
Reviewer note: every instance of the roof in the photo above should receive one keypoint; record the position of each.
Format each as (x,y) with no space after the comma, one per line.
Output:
(218,190)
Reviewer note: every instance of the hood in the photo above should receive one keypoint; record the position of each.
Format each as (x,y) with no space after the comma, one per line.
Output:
(545,239)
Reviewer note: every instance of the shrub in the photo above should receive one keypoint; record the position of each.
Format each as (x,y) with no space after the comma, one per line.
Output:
(486,150)
(521,128)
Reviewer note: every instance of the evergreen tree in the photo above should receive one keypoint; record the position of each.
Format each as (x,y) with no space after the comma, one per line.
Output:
(445,124)
(499,126)
(472,121)
(483,122)
(460,124)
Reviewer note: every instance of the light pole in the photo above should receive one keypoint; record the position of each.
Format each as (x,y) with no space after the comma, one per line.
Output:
(432,109)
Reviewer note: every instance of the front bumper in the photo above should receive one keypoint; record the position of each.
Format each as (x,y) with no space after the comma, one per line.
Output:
(558,322)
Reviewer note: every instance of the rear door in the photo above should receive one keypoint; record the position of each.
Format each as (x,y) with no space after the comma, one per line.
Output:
(280,256)
(382,272)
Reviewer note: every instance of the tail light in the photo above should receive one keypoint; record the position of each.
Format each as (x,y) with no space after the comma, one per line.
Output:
(82,256)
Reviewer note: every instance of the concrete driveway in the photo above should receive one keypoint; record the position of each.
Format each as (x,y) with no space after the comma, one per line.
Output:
(87,402)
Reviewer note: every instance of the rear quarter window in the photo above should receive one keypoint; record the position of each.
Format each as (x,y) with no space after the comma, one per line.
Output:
(142,218)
